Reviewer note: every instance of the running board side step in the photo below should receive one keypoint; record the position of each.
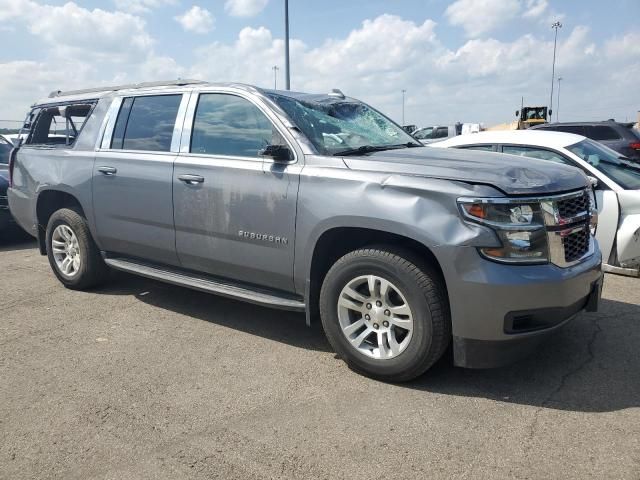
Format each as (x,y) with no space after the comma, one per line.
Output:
(209,285)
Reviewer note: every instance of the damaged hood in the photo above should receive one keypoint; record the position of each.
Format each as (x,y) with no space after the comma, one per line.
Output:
(514,175)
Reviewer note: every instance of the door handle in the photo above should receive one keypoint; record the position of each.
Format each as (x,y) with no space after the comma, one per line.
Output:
(191,179)
(108,170)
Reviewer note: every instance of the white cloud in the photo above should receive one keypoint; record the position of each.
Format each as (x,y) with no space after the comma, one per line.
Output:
(244,8)
(481,16)
(12,8)
(142,6)
(196,19)
(481,80)
(74,31)
(535,8)
(624,46)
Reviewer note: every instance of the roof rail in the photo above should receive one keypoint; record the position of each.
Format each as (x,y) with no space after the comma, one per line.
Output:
(130,86)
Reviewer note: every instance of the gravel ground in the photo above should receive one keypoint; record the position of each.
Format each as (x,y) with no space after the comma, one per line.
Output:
(143,380)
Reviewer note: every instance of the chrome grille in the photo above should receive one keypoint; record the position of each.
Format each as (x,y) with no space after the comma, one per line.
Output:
(567,219)
(576,245)
(573,207)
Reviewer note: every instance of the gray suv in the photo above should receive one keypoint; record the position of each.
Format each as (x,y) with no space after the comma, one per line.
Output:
(314,203)
(621,137)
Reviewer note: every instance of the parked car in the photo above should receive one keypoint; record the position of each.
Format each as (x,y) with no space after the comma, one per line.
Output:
(617,190)
(621,137)
(5,149)
(437,133)
(315,203)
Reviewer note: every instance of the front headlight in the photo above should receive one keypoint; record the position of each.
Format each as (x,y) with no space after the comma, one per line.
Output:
(519,226)
(593,207)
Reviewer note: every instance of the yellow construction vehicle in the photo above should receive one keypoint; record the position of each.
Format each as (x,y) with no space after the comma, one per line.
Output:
(530,116)
(525,117)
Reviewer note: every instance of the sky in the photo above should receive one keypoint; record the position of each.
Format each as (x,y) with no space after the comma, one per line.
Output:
(457,60)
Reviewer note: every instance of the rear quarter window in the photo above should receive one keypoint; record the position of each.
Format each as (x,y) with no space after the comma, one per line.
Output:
(59,124)
(577,129)
(602,132)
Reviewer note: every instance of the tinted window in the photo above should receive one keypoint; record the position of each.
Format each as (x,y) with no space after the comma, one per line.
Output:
(5,150)
(534,152)
(230,125)
(486,148)
(441,132)
(147,123)
(601,132)
(121,123)
(577,129)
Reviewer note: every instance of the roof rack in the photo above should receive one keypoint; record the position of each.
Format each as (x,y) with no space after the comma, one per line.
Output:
(130,86)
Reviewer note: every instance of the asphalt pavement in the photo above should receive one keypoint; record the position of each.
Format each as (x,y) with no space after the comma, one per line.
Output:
(141,380)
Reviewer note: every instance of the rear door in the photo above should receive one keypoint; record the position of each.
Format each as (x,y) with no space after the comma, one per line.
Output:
(132,177)
(235,212)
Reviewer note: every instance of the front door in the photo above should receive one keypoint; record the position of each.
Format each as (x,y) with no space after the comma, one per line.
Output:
(132,180)
(234,212)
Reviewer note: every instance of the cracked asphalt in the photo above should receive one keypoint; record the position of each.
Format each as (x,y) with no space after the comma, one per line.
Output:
(141,380)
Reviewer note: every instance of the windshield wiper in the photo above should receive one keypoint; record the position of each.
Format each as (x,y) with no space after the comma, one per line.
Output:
(375,148)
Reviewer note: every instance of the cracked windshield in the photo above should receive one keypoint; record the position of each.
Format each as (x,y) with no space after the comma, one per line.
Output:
(343,127)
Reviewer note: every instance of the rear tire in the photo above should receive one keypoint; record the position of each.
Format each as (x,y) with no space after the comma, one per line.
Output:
(403,306)
(73,255)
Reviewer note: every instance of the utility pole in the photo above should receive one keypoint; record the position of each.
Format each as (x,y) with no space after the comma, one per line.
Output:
(555,26)
(558,106)
(403,92)
(275,76)
(287,74)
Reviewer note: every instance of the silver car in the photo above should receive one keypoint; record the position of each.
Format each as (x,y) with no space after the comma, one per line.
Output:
(310,202)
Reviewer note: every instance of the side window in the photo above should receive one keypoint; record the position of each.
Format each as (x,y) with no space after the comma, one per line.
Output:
(146,123)
(424,134)
(5,150)
(534,152)
(58,125)
(601,132)
(485,148)
(577,129)
(441,132)
(231,125)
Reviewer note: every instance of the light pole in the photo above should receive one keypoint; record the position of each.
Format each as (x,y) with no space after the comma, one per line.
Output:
(287,75)
(558,106)
(403,92)
(555,26)
(275,76)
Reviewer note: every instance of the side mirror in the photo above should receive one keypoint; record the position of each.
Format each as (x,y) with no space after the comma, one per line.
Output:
(550,113)
(279,153)
(593,180)
(517,113)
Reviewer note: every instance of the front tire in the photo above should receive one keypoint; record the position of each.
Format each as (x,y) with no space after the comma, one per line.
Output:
(73,255)
(387,317)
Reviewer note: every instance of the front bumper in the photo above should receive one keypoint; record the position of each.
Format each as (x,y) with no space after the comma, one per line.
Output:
(500,312)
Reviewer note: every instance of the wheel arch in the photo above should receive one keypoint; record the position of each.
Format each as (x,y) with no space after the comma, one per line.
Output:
(48,202)
(338,241)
